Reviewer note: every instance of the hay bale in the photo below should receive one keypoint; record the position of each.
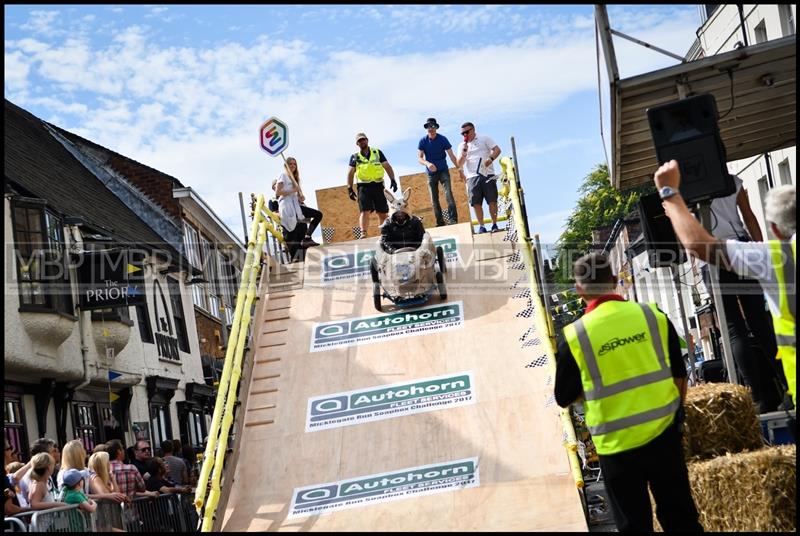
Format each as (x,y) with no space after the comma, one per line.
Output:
(720,418)
(748,491)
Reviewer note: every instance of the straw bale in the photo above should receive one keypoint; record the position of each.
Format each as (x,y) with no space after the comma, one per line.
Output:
(748,491)
(720,418)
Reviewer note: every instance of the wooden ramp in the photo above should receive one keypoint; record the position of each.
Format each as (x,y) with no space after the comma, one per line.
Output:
(423,419)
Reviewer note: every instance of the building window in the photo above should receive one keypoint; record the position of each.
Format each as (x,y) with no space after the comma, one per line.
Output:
(112,314)
(761,32)
(230,287)
(784,172)
(41,268)
(192,241)
(210,271)
(14,425)
(84,424)
(176,302)
(160,424)
(763,188)
(787,19)
(143,320)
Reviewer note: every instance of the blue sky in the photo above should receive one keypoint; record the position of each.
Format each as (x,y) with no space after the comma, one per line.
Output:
(184,88)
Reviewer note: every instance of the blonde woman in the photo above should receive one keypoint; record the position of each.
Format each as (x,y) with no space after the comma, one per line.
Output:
(102,484)
(40,492)
(73,456)
(292,208)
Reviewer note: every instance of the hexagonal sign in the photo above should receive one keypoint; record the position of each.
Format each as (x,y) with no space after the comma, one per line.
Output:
(274,136)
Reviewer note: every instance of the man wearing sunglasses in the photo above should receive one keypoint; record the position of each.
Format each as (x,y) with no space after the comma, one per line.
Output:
(142,453)
(477,155)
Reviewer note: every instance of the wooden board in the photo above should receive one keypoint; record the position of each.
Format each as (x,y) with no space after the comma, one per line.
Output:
(341,214)
(512,428)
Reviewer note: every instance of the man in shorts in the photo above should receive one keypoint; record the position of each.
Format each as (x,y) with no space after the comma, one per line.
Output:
(476,156)
(368,165)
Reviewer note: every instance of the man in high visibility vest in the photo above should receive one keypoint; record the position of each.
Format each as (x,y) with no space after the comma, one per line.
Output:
(368,165)
(623,359)
(771,262)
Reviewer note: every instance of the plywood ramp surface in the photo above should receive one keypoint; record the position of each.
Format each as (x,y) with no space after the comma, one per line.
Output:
(510,428)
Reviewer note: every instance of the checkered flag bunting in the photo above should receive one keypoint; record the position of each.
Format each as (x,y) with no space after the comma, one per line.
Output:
(448,220)
(357,232)
(531,342)
(327,234)
(538,362)
(527,312)
(524,293)
(514,257)
(527,333)
(518,266)
(511,235)
(522,279)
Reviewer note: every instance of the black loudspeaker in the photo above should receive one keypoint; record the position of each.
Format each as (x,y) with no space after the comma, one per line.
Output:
(662,245)
(687,131)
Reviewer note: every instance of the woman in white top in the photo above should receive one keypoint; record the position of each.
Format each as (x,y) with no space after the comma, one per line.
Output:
(293,210)
(40,492)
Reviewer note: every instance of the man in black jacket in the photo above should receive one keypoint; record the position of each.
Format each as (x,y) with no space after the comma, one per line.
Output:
(401,230)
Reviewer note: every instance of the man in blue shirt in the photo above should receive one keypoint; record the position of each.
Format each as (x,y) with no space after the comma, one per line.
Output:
(432,149)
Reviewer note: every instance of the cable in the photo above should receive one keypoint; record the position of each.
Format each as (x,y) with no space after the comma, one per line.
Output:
(730,75)
(599,93)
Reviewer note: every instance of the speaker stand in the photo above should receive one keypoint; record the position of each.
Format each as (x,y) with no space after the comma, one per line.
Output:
(719,307)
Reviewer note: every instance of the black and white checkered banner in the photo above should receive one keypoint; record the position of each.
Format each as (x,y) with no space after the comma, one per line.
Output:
(327,234)
(524,293)
(531,342)
(357,232)
(527,312)
(448,220)
(538,362)
(522,279)
(514,257)
(527,333)
(511,236)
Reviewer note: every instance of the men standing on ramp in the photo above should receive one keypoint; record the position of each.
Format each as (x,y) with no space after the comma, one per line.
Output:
(624,360)
(368,165)
(432,149)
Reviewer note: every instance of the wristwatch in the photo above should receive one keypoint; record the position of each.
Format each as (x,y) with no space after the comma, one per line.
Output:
(666,192)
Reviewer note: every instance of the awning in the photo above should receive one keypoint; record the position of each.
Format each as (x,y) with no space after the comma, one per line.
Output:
(762,119)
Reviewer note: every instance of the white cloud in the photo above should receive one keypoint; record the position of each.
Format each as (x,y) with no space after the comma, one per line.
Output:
(40,22)
(194,112)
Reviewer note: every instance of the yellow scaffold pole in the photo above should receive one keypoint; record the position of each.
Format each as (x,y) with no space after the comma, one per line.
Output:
(539,310)
(251,264)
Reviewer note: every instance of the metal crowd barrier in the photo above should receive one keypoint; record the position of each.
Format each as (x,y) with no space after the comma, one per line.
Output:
(166,513)
(13,524)
(68,518)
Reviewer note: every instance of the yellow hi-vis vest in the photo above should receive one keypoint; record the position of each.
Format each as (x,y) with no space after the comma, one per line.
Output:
(784,256)
(369,170)
(630,397)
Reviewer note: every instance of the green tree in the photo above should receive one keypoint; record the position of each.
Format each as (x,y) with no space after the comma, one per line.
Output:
(599,205)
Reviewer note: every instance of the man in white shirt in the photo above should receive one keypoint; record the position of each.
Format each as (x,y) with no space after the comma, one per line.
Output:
(776,272)
(476,156)
(757,368)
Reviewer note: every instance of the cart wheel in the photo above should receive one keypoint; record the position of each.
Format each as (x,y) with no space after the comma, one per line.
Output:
(441,285)
(440,258)
(376,296)
(373,271)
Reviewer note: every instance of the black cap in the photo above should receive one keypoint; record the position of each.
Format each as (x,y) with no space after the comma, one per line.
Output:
(431,122)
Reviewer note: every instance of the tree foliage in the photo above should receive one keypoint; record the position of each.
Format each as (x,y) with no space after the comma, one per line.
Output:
(599,205)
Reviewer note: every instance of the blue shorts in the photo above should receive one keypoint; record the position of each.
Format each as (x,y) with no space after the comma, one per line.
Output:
(482,188)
